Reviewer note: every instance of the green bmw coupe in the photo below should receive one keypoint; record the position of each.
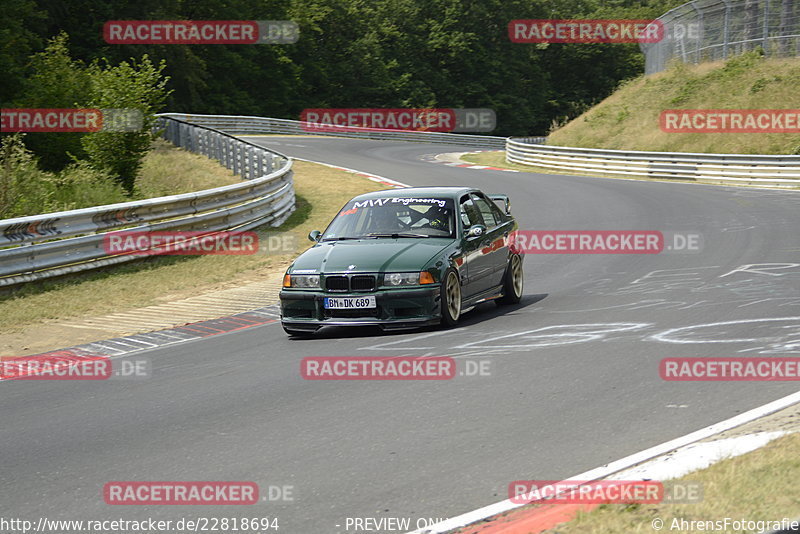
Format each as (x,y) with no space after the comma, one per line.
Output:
(404,258)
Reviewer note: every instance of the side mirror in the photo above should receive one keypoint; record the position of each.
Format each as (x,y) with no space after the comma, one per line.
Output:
(314,235)
(476,230)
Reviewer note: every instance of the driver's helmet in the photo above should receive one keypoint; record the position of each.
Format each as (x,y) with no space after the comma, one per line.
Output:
(437,218)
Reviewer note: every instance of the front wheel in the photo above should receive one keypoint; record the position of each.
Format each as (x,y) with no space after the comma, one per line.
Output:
(451,298)
(512,282)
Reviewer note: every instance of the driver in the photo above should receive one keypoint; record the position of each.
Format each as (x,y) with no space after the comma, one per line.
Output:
(438,218)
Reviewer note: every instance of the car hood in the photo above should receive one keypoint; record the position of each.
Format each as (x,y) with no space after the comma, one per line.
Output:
(370,255)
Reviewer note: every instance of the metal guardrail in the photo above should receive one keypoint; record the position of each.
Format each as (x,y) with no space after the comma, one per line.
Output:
(242,125)
(52,244)
(711,30)
(730,169)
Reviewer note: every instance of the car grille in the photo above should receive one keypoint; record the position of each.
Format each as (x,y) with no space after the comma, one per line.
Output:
(358,282)
(337,283)
(362,283)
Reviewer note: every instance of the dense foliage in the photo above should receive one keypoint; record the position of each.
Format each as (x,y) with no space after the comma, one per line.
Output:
(351,53)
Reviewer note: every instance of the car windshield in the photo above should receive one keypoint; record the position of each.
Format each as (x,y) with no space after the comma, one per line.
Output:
(393,217)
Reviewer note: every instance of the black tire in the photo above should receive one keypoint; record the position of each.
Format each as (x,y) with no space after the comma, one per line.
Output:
(451,298)
(513,281)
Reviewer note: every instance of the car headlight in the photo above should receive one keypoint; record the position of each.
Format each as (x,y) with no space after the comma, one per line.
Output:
(406,279)
(301,280)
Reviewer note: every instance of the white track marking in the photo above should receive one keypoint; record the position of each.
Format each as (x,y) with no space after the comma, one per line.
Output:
(697,456)
(669,336)
(763,268)
(624,463)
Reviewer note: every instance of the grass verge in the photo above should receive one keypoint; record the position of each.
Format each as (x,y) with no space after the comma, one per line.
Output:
(760,485)
(629,118)
(496,158)
(168,170)
(321,191)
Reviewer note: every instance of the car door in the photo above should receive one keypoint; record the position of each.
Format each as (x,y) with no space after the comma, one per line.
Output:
(495,243)
(476,261)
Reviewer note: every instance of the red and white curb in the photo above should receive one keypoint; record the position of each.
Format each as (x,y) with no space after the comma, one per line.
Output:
(664,467)
(127,345)
(477,167)
(453,159)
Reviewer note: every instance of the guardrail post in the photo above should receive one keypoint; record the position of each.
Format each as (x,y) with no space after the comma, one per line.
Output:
(766,27)
(726,29)
(700,30)
(259,164)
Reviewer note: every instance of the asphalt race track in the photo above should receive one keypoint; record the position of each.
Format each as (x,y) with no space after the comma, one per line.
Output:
(574,378)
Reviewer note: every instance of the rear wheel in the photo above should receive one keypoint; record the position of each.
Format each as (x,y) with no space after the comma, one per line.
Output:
(512,282)
(451,298)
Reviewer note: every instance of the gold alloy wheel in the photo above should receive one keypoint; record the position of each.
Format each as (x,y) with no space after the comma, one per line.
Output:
(516,275)
(453,295)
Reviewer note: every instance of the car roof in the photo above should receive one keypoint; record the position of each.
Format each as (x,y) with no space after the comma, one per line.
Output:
(418,192)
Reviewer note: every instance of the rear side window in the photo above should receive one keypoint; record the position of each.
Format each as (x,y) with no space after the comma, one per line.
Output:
(490,213)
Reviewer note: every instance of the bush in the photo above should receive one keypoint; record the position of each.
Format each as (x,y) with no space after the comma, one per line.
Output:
(27,190)
(58,81)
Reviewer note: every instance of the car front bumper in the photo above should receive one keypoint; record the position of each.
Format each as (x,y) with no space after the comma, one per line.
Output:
(395,309)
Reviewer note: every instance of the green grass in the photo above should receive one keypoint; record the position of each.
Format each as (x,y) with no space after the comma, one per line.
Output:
(629,118)
(26,190)
(164,173)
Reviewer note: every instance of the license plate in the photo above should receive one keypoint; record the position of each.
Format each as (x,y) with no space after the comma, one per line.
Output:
(349,303)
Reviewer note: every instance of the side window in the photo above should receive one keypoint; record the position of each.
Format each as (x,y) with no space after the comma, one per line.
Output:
(485,208)
(470,214)
(499,215)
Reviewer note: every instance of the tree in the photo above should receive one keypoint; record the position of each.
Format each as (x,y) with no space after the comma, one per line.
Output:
(137,86)
(56,81)
(18,40)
